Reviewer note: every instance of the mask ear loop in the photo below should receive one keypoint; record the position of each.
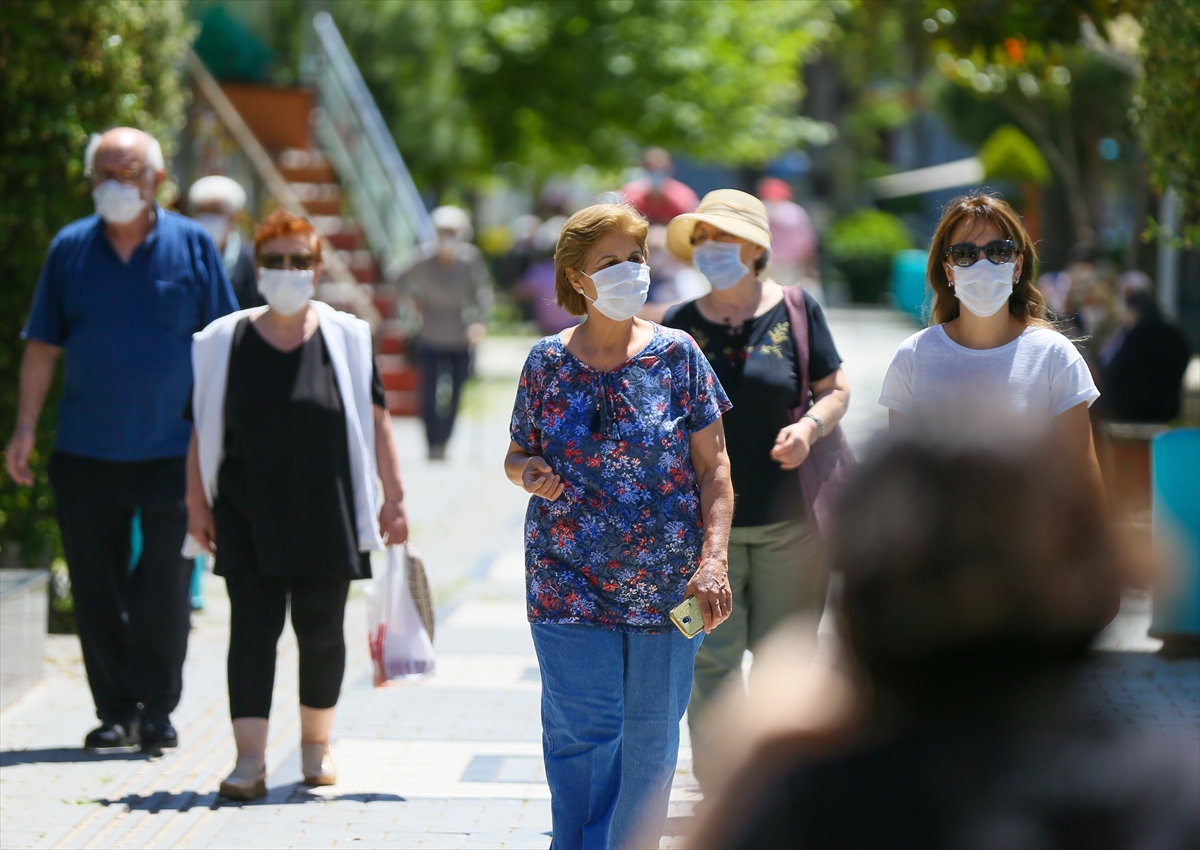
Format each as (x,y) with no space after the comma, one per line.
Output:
(580,289)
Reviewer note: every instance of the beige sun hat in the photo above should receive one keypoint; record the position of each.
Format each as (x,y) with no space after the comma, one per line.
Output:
(738,213)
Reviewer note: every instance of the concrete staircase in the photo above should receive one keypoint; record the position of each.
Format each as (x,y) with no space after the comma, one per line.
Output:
(279,118)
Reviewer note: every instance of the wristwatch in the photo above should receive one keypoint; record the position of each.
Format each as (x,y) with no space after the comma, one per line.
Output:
(820,424)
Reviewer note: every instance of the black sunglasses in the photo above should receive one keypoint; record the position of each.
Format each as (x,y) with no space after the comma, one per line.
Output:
(998,252)
(300,262)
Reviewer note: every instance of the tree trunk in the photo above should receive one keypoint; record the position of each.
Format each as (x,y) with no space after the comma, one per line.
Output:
(1065,167)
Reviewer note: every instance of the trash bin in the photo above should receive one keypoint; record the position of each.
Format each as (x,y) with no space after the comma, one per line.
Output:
(908,281)
(1175,471)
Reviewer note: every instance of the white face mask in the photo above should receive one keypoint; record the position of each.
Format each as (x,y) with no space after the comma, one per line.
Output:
(1093,318)
(984,287)
(287,290)
(118,203)
(720,262)
(621,289)
(216,224)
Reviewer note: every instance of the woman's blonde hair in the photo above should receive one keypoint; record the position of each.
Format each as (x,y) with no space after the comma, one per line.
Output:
(1026,302)
(580,234)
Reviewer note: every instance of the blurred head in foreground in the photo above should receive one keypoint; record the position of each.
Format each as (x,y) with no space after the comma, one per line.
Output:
(967,562)
(975,578)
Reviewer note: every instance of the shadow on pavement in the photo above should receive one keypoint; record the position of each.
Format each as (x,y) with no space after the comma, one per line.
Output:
(8,758)
(282,795)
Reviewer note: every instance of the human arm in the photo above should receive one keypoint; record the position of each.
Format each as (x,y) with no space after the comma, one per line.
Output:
(896,420)
(1073,430)
(37,371)
(531,473)
(710,583)
(200,524)
(393,518)
(1072,392)
(476,313)
(831,398)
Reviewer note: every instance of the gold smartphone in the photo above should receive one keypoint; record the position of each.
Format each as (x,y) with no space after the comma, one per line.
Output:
(688,617)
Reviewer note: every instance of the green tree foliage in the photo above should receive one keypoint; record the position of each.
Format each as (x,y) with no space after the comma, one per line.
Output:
(1060,70)
(552,85)
(1168,102)
(67,68)
(862,245)
(881,52)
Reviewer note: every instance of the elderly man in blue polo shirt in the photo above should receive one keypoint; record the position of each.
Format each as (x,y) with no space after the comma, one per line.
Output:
(120,296)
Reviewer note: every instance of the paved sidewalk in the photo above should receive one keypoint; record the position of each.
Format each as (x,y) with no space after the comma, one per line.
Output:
(454,761)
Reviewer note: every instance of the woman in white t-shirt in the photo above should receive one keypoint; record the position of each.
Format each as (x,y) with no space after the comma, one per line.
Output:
(978,363)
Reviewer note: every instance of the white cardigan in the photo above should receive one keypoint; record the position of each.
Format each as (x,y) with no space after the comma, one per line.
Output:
(348,340)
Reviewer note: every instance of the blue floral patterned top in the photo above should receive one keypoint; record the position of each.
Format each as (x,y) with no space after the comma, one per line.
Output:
(618,547)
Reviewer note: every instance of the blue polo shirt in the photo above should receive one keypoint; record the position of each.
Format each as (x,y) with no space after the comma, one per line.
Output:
(126,334)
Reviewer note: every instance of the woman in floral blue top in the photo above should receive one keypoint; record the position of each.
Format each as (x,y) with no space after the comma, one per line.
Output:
(617,434)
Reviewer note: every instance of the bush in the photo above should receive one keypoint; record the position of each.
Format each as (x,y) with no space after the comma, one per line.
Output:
(1008,154)
(68,68)
(861,246)
(1168,104)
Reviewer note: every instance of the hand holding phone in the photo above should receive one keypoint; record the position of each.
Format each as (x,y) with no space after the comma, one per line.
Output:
(688,617)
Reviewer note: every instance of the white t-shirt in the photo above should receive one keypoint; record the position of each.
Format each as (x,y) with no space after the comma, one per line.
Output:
(1034,378)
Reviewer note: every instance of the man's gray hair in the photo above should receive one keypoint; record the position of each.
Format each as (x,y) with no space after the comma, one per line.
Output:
(154,154)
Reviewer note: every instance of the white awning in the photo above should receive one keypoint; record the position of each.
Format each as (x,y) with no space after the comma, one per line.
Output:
(948,175)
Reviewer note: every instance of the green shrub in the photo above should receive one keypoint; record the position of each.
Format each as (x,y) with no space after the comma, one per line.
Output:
(68,68)
(1168,105)
(1008,154)
(861,246)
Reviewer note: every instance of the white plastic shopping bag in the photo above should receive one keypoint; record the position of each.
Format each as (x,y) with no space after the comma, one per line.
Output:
(400,642)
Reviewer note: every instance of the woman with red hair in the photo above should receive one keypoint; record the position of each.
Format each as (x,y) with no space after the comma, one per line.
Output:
(291,441)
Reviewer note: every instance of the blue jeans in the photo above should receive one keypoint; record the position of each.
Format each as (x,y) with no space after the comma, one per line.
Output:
(611,707)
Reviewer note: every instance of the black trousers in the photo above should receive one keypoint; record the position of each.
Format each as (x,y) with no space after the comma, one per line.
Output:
(435,365)
(133,626)
(258,609)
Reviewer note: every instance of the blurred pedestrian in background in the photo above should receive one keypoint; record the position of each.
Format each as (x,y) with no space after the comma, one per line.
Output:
(1143,376)
(1087,304)
(290,442)
(120,295)
(453,291)
(217,202)
(744,330)
(990,345)
(672,281)
(616,433)
(656,194)
(793,240)
(521,253)
(1126,284)
(977,570)
(537,285)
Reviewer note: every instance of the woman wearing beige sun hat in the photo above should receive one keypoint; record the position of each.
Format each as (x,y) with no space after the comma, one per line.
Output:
(744,328)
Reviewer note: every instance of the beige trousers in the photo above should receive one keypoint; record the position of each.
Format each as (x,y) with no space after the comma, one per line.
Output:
(775,571)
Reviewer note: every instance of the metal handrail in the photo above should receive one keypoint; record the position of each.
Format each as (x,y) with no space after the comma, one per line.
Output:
(390,210)
(336,271)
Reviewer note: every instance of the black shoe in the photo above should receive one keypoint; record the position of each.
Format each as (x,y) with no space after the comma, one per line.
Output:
(158,734)
(112,736)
